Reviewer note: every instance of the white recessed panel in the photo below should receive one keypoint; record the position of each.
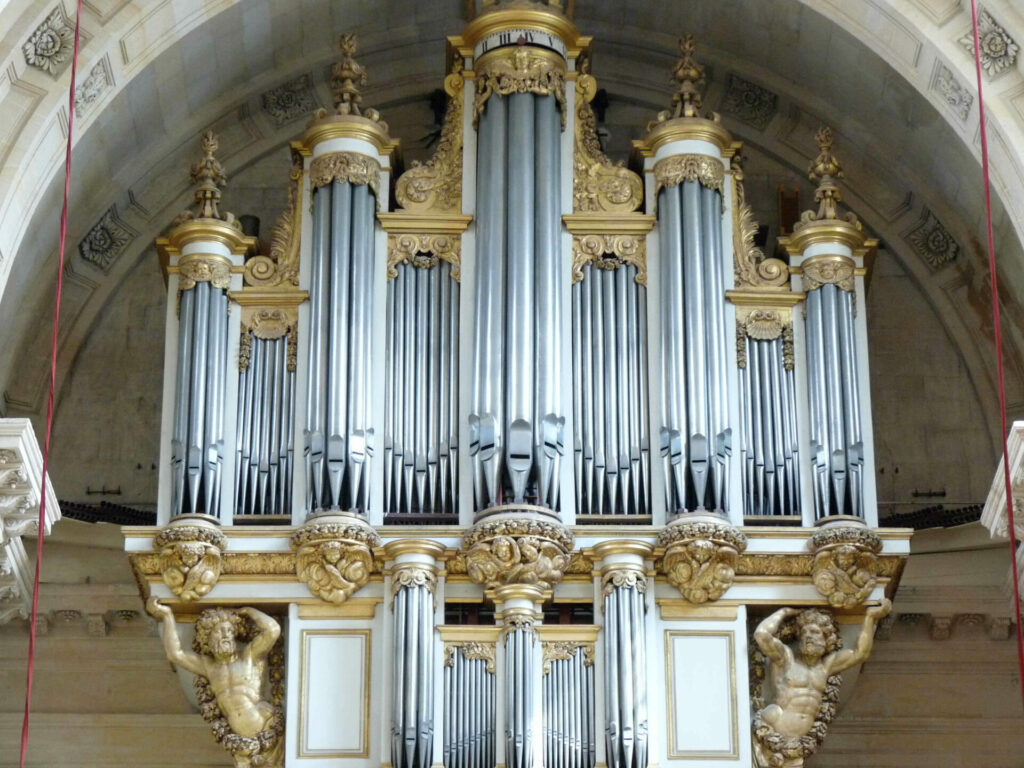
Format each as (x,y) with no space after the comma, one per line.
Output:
(701,694)
(335,697)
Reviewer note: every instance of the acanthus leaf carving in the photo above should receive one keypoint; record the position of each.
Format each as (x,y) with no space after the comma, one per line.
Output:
(424,251)
(564,650)
(352,167)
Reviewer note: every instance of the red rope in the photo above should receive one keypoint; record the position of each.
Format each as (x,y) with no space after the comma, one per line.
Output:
(49,402)
(999,348)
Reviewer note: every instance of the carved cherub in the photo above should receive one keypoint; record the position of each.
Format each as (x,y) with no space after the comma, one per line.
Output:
(190,568)
(332,570)
(844,575)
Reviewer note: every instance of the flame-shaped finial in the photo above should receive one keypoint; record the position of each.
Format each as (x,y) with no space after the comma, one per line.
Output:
(825,169)
(688,76)
(208,176)
(346,78)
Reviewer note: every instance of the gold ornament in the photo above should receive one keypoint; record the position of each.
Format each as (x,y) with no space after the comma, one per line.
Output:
(208,174)
(751,269)
(437,184)
(825,169)
(281,267)
(517,551)
(609,252)
(700,558)
(199,268)
(471,650)
(674,170)
(412,575)
(522,69)
(598,184)
(624,576)
(563,650)
(828,270)
(424,251)
(190,558)
(845,564)
(335,558)
(352,167)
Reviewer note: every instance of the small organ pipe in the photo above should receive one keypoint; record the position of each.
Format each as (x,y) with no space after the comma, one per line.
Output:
(316,390)
(600,392)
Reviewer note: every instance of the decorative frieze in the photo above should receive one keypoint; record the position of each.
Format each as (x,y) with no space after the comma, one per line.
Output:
(50,46)
(470,650)
(96,83)
(609,252)
(352,167)
(424,251)
(956,95)
(932,241)
(674,170)
(749,103)
(563,650)
(998,49)
(108,239)
(289,101)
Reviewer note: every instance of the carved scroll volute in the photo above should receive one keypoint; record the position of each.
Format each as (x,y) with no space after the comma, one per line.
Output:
(334,555)
(190,555)
(599,186)
(281,266)
(751,268)
(845,570)
(700,558)
(517,551)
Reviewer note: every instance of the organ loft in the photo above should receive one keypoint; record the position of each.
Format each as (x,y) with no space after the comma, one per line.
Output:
(517,457)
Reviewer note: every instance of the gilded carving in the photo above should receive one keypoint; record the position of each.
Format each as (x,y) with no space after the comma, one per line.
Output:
(674,170)
(788,360)
(424,251)
(751,269)
(700,558)
(190,558)
(437,184)
(352,167)
(828,270)
(346,78)
(517,551)
(471,650)
(272,322)
(231,652)
(281,267)
(335,559)
(609,252)
(598,184)
(563,650)
(412,575)
(845,564)
(802,682)
(244,349)
(208,174)
(215,270)
(522,69)
(625,576)
(825,169)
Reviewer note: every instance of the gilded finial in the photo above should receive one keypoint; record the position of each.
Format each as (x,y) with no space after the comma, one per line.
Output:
(346,78)
(208,174)
(825,169)
(688,76)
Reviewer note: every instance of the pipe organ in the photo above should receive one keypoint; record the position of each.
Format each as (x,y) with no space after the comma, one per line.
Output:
(553,594)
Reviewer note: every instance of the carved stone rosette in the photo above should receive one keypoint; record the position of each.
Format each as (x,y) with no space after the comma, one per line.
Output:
(334,555)
(521,69)
(563,650)
(512,550)
(190,550)
(700,557)
(845,569)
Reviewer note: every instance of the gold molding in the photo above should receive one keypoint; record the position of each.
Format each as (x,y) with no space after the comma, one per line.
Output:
(598,184)
(354,608)
(539,19)
(349,127)
(437,184)
(304,635)
(685,129)
(480,633)
(416,223)
(678,609)
(828,232)
(519,69)
(424,251)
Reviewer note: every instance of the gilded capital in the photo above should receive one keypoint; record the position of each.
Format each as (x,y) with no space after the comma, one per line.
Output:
(190,555)
(470,650)
(511,550)
(700,557)
(334,555)
(845,569)
(828,269)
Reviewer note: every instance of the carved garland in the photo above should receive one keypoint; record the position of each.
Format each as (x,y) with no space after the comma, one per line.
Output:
(563,650)
(345,166)
(598,184)
(424,252)
(514,551)
(334,559)
(520,70)
(846,565)
(437,184)
(470,651)
(672,171)
(701,558)
(609,252)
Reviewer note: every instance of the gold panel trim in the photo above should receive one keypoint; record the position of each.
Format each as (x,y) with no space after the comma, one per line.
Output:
(584,633)
(303,750)
(679,609)
(673,752)
(353,608)
(521,69)
(416,223)
(470,633)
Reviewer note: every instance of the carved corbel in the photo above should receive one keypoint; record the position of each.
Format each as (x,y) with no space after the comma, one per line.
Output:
(845,569)
(510,550)
(190,555)
(700,557)
(334,555)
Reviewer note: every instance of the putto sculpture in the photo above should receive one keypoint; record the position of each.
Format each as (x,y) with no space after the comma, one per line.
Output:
(804,694)
(231,663)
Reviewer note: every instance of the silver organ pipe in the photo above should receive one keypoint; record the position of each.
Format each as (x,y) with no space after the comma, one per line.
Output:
(197,440)
(412,718)
(609,355)
(263,435)
(568,703)
(469,709)
(521,703)
(421,391)
(625,678)
(516,424)
(835,430)
(338,436)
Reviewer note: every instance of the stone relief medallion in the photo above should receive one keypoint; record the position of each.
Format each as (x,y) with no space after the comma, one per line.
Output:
(700,557)
(517,551)
(334,555)
(190,556)
(845,569)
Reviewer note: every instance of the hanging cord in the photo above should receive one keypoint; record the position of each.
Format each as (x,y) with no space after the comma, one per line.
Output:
(999,349)
(49,402)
